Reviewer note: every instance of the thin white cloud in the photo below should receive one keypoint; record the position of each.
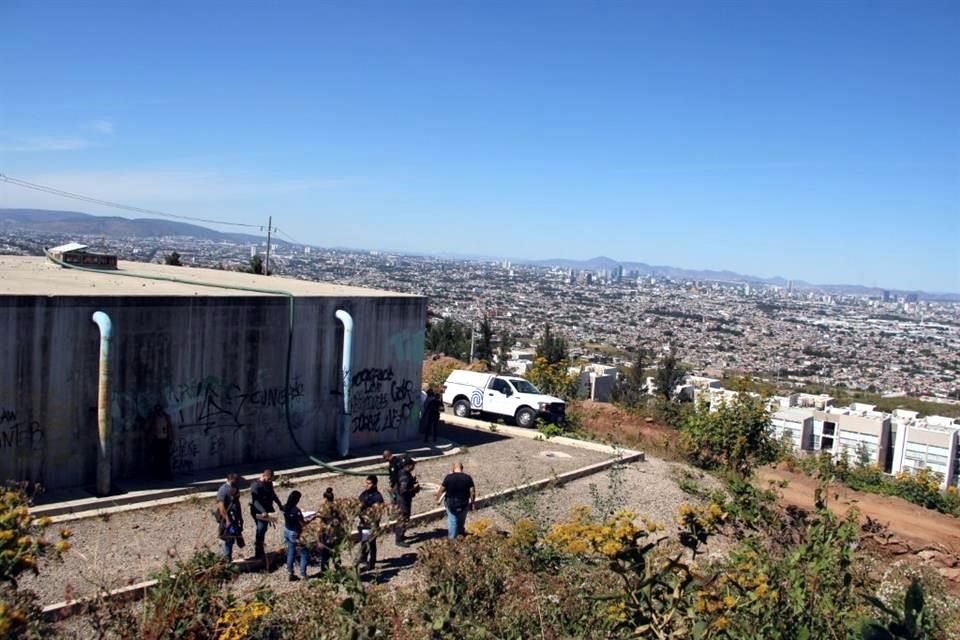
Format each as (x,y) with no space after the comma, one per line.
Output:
(42,143)
(144,187)
(102,126)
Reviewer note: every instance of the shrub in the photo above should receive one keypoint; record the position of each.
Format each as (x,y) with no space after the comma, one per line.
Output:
(735,437)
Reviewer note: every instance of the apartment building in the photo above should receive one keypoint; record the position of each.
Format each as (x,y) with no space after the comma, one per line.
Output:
(859,431)
(926,443)
(794,423)
(595,381)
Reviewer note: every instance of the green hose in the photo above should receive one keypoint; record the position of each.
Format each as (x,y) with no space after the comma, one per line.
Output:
(290,325)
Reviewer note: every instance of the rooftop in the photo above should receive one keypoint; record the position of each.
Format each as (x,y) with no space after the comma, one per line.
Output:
(27,275)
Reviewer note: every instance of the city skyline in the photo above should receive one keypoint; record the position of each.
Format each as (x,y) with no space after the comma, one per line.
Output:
(597,264)
(815,142)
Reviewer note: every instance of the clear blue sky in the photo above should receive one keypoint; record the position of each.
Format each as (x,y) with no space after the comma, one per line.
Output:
(813,140)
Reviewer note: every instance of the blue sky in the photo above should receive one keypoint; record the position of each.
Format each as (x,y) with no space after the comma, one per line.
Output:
(813,140)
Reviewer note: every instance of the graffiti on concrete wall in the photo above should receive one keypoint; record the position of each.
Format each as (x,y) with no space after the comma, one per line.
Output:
(209,403)
(22,435)
(204,412)
(379,401)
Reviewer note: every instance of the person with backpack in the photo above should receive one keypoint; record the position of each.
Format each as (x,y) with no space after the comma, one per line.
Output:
(229,515)
(407,488)
(395,465)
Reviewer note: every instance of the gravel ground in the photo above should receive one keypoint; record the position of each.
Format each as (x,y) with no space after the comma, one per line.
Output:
(649,488)
(125,548)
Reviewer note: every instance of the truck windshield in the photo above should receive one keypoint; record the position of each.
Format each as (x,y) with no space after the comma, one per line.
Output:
(523,386)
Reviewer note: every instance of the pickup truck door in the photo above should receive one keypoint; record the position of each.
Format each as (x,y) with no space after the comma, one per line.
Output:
(496,399)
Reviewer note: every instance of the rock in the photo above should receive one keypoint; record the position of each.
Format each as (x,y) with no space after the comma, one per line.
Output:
(951,574)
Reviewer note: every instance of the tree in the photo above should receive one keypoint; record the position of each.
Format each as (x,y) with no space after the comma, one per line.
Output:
(173,260)
(736,436)
(449,337)
(484,346)
(552,348)
(256,265)
(553,378)
(503,351)
(670,373)
(631,386)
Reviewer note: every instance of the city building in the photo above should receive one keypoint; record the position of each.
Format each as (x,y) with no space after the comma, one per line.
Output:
(926,443)
(793,423)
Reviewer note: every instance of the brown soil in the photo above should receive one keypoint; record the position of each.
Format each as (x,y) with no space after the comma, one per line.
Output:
(606,421)
(919,526)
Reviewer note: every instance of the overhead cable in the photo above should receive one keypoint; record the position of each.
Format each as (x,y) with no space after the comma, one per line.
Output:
(116,205)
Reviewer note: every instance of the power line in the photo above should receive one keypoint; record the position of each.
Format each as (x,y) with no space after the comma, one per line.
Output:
(287,236)
(116,205)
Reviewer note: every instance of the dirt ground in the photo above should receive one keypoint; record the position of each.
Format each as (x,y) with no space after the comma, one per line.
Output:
(913,523)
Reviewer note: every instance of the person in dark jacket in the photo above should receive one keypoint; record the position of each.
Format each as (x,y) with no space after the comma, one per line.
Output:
(432,408)
(407,488)
(395,465)
(293,524)
(230,515)
(369,521)
(262,499)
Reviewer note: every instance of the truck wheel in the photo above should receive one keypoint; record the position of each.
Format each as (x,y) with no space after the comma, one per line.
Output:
(461,408)
(525,417)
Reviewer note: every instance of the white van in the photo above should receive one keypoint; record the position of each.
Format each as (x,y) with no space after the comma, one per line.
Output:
(473,392)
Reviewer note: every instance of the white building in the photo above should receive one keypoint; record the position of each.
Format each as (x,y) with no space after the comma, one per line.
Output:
(596,381)
(795,423)
(857,430)
(926,443)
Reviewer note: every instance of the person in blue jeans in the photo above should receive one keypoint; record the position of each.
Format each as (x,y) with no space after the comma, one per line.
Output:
(230,515)
(293,524)
(460,495)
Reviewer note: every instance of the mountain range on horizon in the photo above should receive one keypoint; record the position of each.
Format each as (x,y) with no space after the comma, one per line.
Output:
(79,223)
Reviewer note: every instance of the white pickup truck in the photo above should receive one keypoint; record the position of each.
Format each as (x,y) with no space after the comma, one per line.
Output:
(473,392)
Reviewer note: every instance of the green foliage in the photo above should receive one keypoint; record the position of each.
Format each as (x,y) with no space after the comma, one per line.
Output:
(503,351)
(449,337)
(552,348)
(22,541)
(256,265)
(911,623)
(483,349)
(549,430)
(553,379)
(630,391)
(173,260)
(187,600)
(921,487)
(670,372)
(735,437)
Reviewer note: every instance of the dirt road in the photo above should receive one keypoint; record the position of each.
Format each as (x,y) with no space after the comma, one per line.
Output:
(915,524)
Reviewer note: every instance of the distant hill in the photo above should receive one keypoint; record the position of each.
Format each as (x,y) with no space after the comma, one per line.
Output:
(75,222)
(604,263)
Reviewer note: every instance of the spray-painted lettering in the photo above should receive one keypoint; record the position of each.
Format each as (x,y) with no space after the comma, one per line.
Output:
(22,435)
(379,402)
(208,403)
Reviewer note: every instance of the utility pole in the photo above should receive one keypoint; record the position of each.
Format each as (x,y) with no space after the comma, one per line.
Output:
(471,342)
(266,267)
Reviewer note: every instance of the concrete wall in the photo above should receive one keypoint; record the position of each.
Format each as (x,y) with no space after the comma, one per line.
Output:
(215,365)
